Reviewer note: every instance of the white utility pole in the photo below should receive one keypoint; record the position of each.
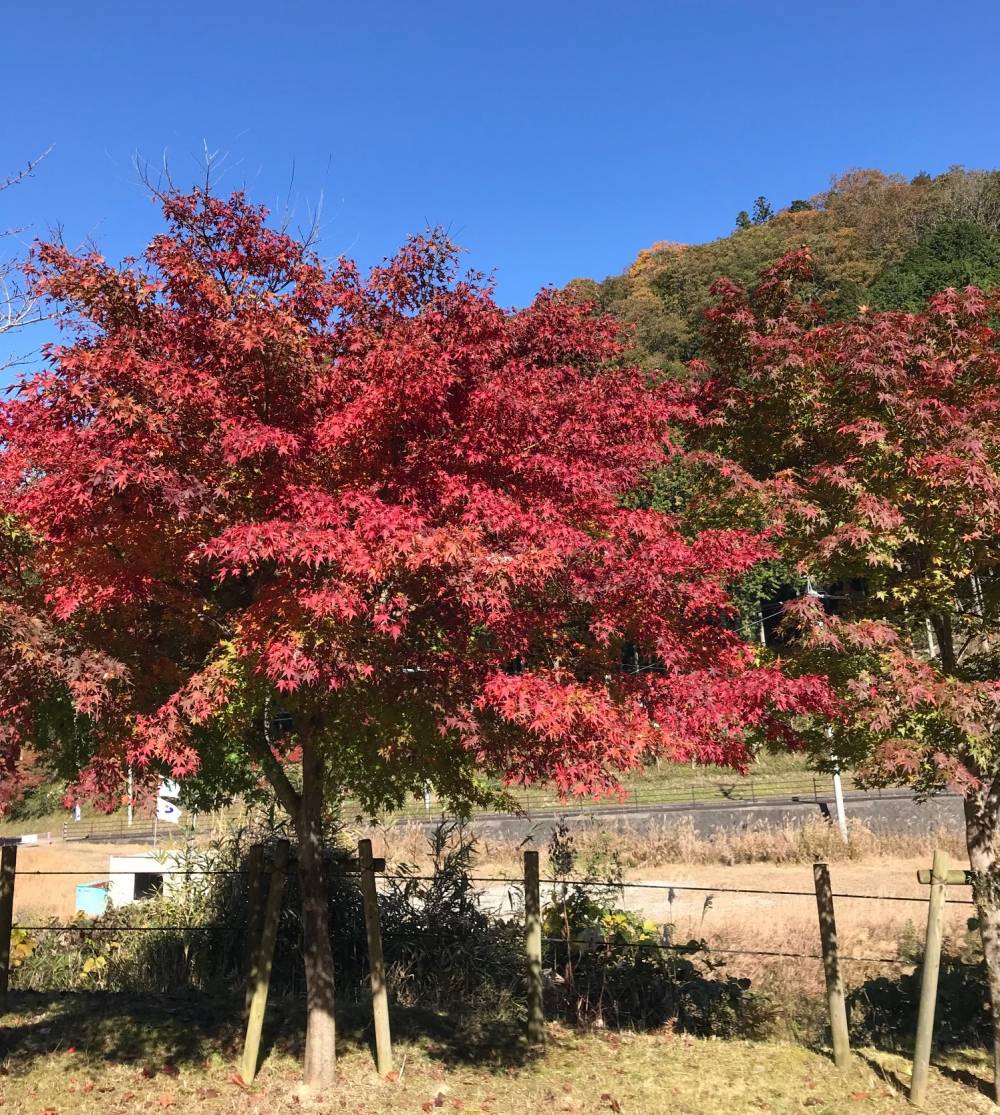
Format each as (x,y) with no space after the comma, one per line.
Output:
(838,794)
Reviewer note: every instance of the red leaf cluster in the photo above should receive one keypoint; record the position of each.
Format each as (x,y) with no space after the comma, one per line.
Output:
(385,498)
(873,445)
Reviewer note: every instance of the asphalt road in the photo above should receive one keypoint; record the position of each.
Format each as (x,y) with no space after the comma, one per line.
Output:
(894,811)
(891,811)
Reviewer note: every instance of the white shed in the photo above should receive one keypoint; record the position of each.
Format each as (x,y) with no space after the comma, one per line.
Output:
(142,876)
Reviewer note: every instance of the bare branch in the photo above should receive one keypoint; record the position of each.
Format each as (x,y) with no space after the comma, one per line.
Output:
(18,307)
(26,172)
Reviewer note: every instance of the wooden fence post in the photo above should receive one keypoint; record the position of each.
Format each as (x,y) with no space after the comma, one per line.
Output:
(255,916)
(8,869)
(265,957)
(376,961)
(831,966)
(533,948)
(929,983)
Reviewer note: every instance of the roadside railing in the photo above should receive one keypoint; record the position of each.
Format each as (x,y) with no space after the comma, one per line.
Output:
(703,793)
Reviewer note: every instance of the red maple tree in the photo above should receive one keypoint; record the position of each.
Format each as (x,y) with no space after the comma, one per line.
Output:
(874,445)
(383,505)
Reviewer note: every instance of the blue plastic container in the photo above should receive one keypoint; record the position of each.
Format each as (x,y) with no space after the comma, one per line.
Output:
(92,898)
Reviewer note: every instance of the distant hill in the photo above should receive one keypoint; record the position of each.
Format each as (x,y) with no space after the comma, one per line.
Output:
(878,240)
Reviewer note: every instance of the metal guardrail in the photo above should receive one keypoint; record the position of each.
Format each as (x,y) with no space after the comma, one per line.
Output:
(809,787)
(107,829)
(718,791)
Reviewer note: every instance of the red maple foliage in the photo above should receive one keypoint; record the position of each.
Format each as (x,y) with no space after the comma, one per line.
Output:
(387,487)
(383,504)
(874,445)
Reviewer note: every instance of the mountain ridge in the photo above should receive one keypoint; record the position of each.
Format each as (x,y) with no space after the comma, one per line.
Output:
(878,240)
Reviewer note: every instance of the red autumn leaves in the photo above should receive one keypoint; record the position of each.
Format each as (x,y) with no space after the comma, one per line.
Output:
(385,498)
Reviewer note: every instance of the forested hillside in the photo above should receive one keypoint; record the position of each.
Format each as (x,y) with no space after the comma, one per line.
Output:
(878,240)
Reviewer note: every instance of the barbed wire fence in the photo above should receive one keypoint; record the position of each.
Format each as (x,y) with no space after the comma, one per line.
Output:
(513,881)
(365,869)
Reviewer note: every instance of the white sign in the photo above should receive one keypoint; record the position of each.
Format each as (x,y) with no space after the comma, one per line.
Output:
(169,789)
(168,811)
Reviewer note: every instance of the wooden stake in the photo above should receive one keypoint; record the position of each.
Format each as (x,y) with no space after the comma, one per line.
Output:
(376,961)
(533,948)
(255,915)
(929,983)
(262,966)
(8,870)
(831,966)
(953,878)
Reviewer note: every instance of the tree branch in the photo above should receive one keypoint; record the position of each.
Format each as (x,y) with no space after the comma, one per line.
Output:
(275,774)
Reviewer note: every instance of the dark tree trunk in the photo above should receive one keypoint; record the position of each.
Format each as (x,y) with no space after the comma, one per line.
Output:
(946,642)
(306,811)
(320,1063)
(982,830)
(982,837)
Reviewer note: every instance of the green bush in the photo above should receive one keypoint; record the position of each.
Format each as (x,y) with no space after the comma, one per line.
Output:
(608,965)
(443,951)
(194,939)
(44,800)
(883,1010)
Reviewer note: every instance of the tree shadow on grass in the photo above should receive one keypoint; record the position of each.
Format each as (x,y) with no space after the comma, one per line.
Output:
(966,1074)
(889,1075)
(150,1032)
(452,1039)
(124,1029)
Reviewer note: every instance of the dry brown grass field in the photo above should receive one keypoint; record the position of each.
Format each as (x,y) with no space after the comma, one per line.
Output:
(719,910)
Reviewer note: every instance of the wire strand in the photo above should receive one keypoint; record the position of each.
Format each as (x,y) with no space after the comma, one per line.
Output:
(515,882)
(712,949)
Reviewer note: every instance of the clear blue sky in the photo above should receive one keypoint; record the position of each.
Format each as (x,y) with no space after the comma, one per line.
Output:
(554,139)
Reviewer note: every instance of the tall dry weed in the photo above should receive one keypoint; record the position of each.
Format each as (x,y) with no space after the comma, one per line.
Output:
(678,842)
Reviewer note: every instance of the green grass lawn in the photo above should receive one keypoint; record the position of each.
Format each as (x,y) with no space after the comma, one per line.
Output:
(88,1054)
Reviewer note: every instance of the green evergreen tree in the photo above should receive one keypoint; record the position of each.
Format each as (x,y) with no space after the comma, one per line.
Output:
(953,254)
(762,211)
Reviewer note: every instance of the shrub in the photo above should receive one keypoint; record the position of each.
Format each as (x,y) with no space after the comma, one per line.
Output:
(44,800)
(440,947)
(608,964)
(194,938)
(883,1010)
(443,950)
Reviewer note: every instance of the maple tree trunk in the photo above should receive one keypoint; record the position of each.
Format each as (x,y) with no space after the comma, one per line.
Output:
(320,1062)
(942,626)
(982,830)
(982,837)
